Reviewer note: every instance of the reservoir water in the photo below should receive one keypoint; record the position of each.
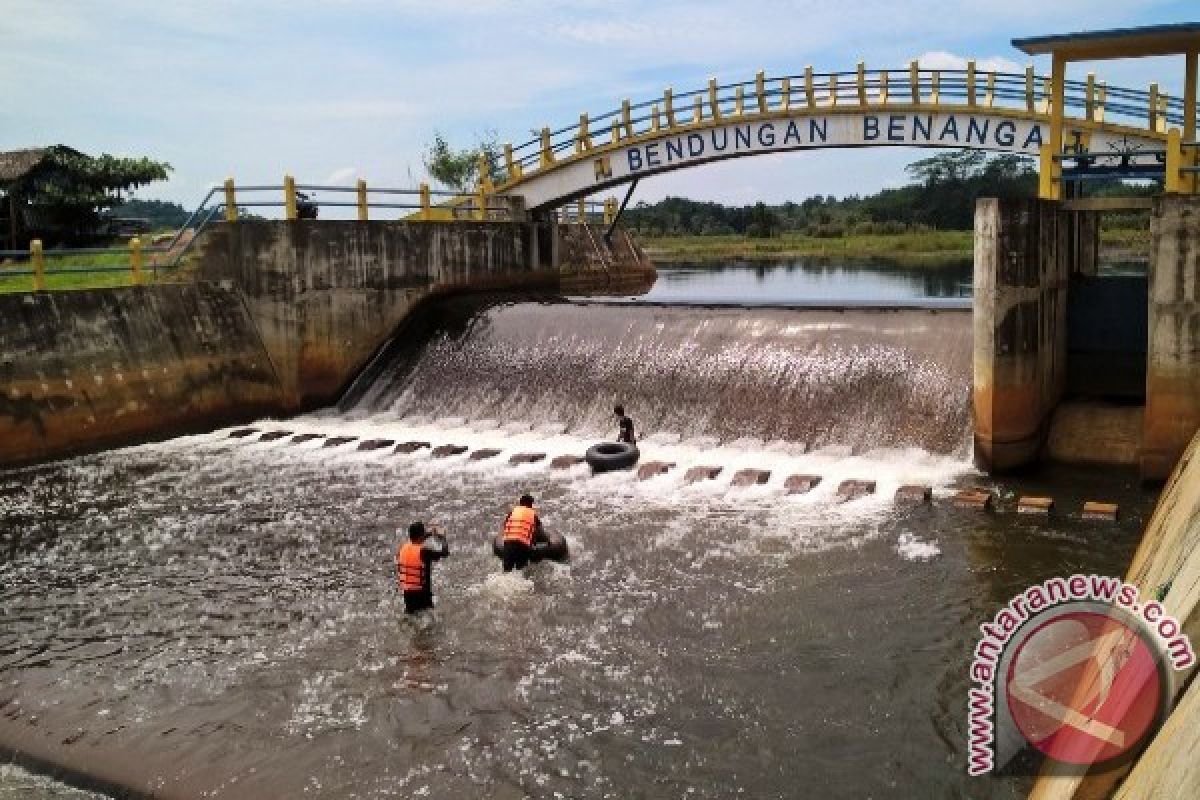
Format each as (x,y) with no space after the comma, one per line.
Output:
(217,616)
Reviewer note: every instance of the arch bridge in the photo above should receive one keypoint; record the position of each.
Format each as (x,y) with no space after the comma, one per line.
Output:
(1104,130)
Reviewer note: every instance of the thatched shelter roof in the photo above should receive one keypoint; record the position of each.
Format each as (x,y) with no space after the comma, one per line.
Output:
(16,164)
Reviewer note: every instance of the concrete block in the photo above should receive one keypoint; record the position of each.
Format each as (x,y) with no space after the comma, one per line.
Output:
(526,458)
(977,499)
(1093,509)
(242,433)
(375,444)
(696,474)
(1035,505)
(914,495)
(447,450)
(301,438)
(565,462)
(652,469)
(800,484)
(751,477)
(484,453)
(338,441)
(271,436)
(410,447)
(854,488)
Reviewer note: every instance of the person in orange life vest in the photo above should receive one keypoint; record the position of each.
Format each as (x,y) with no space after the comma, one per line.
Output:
(414,566)
(522,527)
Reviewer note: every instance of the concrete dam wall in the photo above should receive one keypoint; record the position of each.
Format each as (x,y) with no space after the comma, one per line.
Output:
(275,317)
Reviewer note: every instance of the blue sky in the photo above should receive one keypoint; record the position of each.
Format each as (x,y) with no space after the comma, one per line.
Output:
(331,90)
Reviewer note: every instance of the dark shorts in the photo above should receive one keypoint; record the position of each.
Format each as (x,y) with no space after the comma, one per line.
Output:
(514,555)
(417,601)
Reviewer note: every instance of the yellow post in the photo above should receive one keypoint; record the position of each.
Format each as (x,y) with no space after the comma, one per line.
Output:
(615,136)
(481,201)
(712,99)
(39,265)
(135,259)
(626,119)
(581,211)
(1046,172)
(1029,101)
(883,87)
(971,83)
(583,139)
(610,210)
(697,111)
(1089,101)
(1162,113)
(1101,99)
(655,125)
(510,165)
(739,103)
(426,205)
(1058,76)
(362,200)
(230,201)
(669,107)
(935,87)
(809,95)
(1172,179)
(861,82)
(914,82)
(289,197)
(833,89)
(1152,119)
(547,154)
(760,89)
(785,94)
(1047,94)
(989,97)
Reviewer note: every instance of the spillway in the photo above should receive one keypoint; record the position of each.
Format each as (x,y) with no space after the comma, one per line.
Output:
(216,615)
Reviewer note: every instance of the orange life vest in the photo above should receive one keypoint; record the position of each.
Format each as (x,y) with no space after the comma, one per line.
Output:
(520,526)
(410,569)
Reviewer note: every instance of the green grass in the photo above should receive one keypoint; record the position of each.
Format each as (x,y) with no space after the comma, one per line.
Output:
(59,279)
(913,246)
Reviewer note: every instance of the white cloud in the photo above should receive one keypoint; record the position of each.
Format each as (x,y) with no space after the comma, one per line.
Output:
(342,176)
(940,59)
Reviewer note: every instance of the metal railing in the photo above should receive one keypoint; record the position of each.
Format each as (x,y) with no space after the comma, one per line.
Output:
(138,261)
(833,91)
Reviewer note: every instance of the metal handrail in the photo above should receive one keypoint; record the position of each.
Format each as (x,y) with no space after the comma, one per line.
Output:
(1023,90)
(202,216)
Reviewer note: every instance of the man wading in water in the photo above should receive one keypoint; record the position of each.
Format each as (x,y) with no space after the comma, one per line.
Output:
(522,527)
(414,566)
(624,426)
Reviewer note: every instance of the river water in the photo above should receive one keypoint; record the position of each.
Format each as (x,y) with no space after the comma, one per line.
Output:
(216,615)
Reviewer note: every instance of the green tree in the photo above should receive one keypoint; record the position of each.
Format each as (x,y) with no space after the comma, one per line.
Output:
(763,224)
(456,169)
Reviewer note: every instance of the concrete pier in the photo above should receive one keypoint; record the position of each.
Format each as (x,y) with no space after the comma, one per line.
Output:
(1020,346)
(1173,369)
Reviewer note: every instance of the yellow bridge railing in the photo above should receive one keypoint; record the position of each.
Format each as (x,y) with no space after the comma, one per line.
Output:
(1148,113)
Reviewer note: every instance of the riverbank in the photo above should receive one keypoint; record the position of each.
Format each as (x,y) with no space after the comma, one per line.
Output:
(913,248)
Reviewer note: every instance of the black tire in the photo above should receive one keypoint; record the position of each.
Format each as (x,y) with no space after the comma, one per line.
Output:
(553,549)
(609,456)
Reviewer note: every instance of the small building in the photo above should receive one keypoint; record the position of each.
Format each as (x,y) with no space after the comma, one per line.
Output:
(56,172)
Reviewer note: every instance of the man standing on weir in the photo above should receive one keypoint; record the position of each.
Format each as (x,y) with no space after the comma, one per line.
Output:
(624,426)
